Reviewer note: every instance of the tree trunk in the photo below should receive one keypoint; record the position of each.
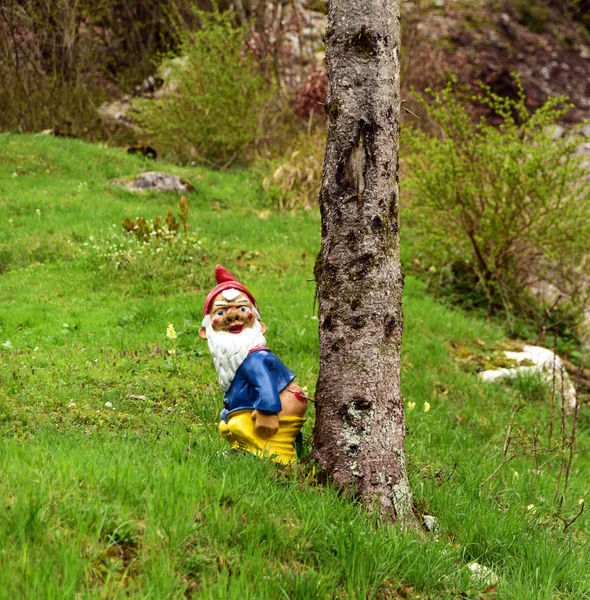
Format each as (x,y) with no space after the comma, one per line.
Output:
(360,426)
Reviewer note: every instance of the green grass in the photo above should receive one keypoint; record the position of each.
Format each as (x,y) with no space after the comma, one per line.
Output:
(142,499)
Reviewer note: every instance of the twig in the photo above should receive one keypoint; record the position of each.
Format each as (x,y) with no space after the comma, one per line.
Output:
(568,523)
(552,418)
(507,441)
(562,466)
(537,468)
(546,317)
(580,375)
(409,111)
(448,476)
(572,441)
(504,462)
(509,431)
(232,158)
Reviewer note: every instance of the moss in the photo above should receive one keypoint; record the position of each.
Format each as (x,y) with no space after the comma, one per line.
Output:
(318,266)
(332,108)
(477,357)
(320,6)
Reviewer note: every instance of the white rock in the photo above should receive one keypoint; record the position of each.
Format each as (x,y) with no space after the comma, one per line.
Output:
(431,523)
(483,574)
(546,363)
(558,130)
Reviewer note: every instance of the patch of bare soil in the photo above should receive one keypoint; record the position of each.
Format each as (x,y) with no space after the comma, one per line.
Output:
(485,41)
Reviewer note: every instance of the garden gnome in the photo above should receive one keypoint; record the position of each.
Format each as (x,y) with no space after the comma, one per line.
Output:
(264,409)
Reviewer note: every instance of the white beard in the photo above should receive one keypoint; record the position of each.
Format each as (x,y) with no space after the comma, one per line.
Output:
(230,349)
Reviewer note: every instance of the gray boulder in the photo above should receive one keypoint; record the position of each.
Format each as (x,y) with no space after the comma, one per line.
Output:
(155,181)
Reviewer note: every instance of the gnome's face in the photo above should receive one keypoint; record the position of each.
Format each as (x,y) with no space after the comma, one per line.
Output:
(232,328)
(232,313)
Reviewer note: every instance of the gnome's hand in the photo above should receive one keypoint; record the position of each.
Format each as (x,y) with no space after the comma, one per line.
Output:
(265,424)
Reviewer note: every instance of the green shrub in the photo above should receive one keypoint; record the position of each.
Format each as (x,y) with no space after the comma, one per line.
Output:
(212,110)
(502,210)
(533,14)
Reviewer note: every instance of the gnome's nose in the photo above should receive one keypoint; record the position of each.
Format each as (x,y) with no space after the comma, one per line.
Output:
(231,316)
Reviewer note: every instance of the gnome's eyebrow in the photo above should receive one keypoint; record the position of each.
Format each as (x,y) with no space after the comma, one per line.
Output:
(219,303)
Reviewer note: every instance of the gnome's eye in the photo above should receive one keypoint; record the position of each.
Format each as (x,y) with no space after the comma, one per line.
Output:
(220,313)
(243,309)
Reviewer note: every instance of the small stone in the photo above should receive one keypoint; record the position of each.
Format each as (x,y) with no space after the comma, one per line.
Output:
(431,523)
(557,132)
(546,75)
(483,574)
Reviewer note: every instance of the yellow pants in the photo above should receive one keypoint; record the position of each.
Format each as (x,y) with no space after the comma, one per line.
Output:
(240,432)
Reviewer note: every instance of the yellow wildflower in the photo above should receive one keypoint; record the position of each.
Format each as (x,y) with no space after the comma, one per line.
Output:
(170,332)
(426,406)
(411,405)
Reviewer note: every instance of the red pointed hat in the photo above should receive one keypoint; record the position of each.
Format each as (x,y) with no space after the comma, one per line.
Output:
(225,281)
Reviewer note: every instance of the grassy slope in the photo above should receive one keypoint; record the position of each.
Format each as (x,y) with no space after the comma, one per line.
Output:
(141,499)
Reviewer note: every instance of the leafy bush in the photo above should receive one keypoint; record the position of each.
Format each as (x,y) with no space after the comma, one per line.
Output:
(503,211)
(533,14)
(212,114)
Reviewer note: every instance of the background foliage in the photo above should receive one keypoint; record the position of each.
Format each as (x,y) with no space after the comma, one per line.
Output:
(218,85)
(503,208)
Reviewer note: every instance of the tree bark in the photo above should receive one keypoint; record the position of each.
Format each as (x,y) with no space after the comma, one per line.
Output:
(360,426)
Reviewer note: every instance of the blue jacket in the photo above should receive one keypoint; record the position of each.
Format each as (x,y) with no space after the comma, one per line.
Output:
(257,384)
